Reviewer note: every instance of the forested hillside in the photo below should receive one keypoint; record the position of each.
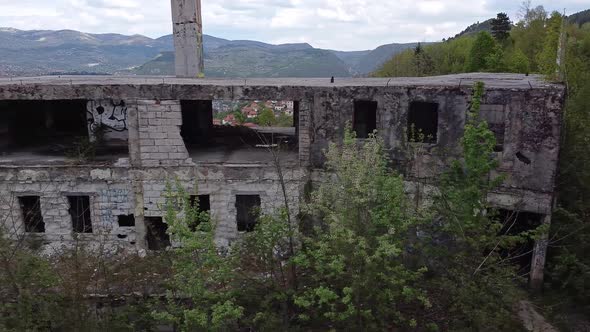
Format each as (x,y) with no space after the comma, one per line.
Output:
(531,46)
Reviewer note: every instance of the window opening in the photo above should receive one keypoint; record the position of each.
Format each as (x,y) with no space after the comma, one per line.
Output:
(80,213)
(31,211)
(364,118)
(157,236)
(248,209)
(423,122)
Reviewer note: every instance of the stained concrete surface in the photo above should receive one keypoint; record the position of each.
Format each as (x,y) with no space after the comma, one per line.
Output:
(492,80)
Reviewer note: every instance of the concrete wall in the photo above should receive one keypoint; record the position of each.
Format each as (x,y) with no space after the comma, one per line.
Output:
(188,37)
(110,117)
(151,118)
(110,195)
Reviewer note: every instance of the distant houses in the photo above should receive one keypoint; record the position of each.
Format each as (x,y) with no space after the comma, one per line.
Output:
(229,120)
(250,111)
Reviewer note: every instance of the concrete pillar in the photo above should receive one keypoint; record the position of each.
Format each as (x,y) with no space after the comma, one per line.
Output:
(539,256)
(188,38)
(133,125)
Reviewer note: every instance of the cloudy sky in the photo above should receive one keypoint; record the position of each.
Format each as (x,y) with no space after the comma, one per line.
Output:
(335,24)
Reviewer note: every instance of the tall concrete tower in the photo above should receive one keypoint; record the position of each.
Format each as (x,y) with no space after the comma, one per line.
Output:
(188,38)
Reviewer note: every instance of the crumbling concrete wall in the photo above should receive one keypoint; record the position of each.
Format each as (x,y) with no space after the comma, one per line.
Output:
(529,112)
(222,184)
(531,120)
(109,191)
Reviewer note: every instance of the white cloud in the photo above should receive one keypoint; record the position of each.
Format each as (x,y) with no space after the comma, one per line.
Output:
(336,24)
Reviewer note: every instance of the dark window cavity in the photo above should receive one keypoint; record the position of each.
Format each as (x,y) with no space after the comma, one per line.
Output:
(247,207)
(80,213)
(126,220)
(204,205)
(517,222)
(197,120)
(494,116)
(39,125)
(204,202)
(365,118)
(31,209)
(157,238)
(423,122)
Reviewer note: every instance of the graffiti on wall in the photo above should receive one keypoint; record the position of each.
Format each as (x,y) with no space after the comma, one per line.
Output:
(113,202)
(107,115)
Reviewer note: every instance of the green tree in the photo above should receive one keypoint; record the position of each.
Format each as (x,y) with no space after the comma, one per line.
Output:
(25,280)
(284,120)
(547,58)
(517,62)
(568,261)
(352,260)
(240,117)
(401,65)
(496,62)
(483,47)
(529,33)
(266,277)
(501,27)
(266,118)
(202,273)
(470,278)
(423,63)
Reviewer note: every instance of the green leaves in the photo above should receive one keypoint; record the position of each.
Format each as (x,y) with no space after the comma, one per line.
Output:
(352,261)
(201,272)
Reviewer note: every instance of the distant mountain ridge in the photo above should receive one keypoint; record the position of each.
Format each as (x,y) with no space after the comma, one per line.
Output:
(43,52)
(580,18)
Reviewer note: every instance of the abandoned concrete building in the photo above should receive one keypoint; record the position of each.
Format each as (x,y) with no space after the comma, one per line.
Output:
(155,130)
(143,132)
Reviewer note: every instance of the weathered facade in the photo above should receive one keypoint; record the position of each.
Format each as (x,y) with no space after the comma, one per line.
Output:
(114,198)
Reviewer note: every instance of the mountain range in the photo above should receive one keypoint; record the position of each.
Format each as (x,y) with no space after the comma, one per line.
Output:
(48,52)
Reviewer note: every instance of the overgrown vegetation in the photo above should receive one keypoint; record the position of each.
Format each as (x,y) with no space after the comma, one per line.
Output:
(360,256)
(77,288)
(533,46)
(529,46)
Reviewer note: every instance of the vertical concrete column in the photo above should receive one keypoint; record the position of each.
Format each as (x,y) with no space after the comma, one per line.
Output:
(188,38)
(136,175)
(304,131)
(539,257)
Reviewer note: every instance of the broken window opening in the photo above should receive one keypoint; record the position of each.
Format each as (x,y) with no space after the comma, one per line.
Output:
(364,119)
(248,210)
(222,131)
(126,220)
(157,236)
(517,222)
(34,129)
(203,205)
(203,202)
(80,214)
(494,116)
(423,122)
(31,211)
(498,130)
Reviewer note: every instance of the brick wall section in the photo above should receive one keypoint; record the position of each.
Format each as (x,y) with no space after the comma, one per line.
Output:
(160,143)
(110,196)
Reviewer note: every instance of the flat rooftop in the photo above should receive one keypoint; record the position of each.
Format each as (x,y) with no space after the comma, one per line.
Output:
(492,80)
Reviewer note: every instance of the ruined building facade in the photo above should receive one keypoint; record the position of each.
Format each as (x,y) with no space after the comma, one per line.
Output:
(153,130)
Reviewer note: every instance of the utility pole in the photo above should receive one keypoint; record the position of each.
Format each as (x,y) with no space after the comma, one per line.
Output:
(187,27)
